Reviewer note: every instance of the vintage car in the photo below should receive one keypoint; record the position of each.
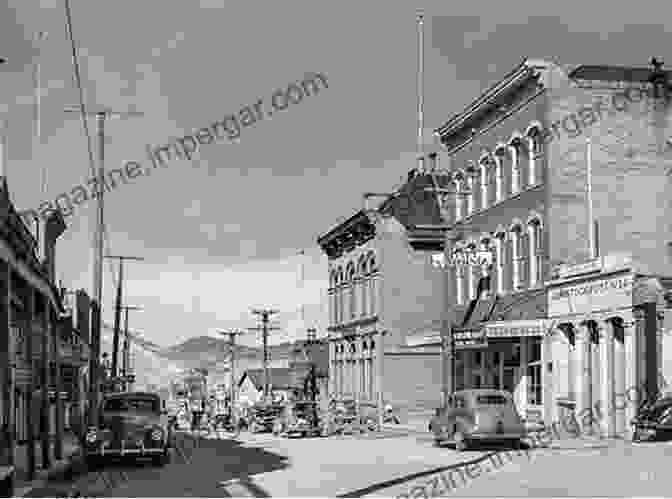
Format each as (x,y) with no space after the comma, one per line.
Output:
(131,424)
(263,417)
(478,415)
(654,422)
(298,418)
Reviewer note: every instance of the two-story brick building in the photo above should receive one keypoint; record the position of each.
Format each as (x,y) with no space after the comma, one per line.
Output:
(519,171)
(383,288)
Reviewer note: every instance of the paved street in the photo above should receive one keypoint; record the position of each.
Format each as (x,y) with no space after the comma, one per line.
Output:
(263,465)
(620,469)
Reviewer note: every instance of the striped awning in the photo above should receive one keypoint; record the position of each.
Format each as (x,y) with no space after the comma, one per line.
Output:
(510,329)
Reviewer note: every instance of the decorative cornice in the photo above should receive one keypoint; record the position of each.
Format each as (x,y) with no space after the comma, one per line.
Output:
(526,70)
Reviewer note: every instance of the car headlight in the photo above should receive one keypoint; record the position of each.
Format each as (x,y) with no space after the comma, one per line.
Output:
(91,435)
(157,434)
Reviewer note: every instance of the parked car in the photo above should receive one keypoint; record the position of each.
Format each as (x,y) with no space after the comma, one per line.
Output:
(131,424)
(263,417)
(343,418)
(477,415)
(298,418)
(654,421)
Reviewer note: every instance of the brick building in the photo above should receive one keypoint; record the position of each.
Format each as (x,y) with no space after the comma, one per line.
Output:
(382,288)
(519,158)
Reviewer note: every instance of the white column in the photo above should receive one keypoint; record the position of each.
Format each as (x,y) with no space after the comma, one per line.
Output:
(632,363)
(522,384)
(607,394)
(620,400)
(582,376)
(546,378)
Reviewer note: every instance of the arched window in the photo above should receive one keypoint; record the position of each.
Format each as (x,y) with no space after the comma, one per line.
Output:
(373,287)
(471,195)
(483,167)
(485,267)
(516,151)
(364,278)
(339,295)
(472,271)
(500,263)
(535,236)
(457,183)
(499,159)
(535,152)
(516,252)
(352,295)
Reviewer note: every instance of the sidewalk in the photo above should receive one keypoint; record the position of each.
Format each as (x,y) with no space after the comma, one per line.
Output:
(71,455)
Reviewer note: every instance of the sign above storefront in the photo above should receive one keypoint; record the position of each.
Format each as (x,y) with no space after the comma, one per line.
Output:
(590,296)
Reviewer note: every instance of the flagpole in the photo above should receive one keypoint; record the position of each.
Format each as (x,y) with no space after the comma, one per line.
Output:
(421,57)
(589,192)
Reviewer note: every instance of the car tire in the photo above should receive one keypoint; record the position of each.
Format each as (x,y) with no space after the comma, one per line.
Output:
(93,463)
(437,442)
(162,459)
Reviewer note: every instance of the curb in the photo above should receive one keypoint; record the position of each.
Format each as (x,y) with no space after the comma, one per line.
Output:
(61,470)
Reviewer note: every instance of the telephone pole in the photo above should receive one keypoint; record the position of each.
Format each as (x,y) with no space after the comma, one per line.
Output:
(232,346)
(126,355)
(265,328)
(101,116)
(117,311)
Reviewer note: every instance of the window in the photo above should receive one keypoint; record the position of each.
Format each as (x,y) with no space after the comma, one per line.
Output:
(534,144)
(471,195)
(471,271)
(122,404)
(458,199)
(484,184)
(460,402)
(534,387)
(499,261)
(514,151)
(515,257)
(535,258)
(499,179)
(459,276)
(352,284)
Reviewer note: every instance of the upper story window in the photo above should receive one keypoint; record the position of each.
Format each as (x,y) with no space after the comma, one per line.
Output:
(500,240)
(535,238)
(352,305)
(472,270)
(458,258)
(535,152)
(471,193)
(499,158)
(457,183)
(516,152)
(517,257)
(484,173)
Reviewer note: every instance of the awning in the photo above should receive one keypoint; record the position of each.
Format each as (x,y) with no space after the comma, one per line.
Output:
(511,329)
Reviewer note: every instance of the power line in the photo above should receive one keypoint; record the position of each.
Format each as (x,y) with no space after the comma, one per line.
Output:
(265,328)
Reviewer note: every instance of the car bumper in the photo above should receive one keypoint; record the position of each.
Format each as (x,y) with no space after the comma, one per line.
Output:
(480,436)
(134,451)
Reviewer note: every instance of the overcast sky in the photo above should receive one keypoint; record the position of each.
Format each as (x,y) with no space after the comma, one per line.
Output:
(221,233)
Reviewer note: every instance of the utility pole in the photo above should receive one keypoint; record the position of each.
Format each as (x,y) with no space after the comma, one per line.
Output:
(96,312)
(265,328)
(126,355)
(117,311)
(232,347)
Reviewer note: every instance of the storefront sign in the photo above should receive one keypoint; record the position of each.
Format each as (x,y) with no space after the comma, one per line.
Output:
(470,338)
(589,296)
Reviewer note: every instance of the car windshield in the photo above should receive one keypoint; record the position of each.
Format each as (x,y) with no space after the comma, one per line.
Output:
(127,404)
(492,399)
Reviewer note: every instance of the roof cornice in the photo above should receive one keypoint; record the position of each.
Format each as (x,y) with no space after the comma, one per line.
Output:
(524,71)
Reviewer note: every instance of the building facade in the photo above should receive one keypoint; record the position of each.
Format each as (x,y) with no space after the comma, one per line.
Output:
(519,160)
(382,288)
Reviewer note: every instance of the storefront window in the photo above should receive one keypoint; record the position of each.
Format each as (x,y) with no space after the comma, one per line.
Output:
(534,372)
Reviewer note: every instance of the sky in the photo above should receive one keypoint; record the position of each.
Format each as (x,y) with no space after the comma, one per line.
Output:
(222,233)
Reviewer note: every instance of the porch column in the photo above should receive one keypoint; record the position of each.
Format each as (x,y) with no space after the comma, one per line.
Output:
(582,383)
(547,377)
(30,428)
(523,383)
(608,420)
(596,367)
(632,363)
(6,362)
(379,376)
(620,400)
(44,367)
(54,329)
